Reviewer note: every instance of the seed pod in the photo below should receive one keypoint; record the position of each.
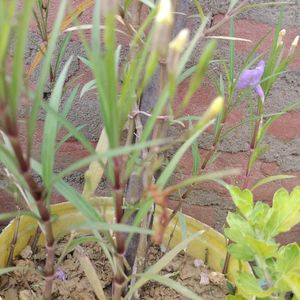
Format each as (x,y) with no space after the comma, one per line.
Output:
(215,108)
(163,27)
(294,46)
(281,34)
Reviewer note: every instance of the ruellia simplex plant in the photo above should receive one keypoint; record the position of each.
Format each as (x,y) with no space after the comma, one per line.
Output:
(120,90)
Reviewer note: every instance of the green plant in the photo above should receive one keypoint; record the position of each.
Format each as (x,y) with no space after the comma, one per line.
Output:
(120,91)
(253,230)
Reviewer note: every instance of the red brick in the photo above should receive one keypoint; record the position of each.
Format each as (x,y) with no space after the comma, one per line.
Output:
(205,214)
(7,204)
(291,236)
(286,127)
(254,31)
(200,100)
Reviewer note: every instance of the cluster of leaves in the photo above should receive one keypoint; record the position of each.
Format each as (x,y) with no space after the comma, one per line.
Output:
(253,229)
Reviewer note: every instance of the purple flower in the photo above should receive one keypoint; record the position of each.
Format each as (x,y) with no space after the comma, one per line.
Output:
(60,274)
(251,78)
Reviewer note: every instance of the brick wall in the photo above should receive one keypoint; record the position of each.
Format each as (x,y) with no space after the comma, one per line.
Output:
(208,202)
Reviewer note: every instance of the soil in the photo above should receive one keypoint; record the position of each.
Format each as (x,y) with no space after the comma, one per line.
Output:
(71,283)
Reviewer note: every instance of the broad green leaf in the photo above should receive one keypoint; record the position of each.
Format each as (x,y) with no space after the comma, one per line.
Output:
(262,248)
(288,258)
(259,217)
(243,199)
(293,281)
(235,297)
(161,263)
(241,252)
(237,222)
(248,285)
(285,211)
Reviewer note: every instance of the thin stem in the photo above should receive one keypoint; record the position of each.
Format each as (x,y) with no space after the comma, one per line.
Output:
(253,145)
(13,243)
(226,18)
(209,154)
(118,191)
(38,193)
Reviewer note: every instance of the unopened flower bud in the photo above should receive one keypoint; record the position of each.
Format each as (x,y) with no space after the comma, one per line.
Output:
(281,34)
(179,42)
(163,28)
(164,15)
(215,108)
(176,47)
(294,46)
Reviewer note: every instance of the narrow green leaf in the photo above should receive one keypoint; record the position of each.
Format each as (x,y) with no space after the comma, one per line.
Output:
(183,226)
(12,215)
(4,271)
(71,128)
(184,291)
(50,128)
(170,168)
(107,155)
(114,227)
(200,71)
(44,73)
(91,85)
(18,60)
(200,10)
(149,3)
(66,137)
(10,163)
(69,101)
(161,263)
(270,179)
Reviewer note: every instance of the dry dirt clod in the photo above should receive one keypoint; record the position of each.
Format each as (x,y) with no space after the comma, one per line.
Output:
(218,279)
(25,295)
(204,278)
(26,252)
